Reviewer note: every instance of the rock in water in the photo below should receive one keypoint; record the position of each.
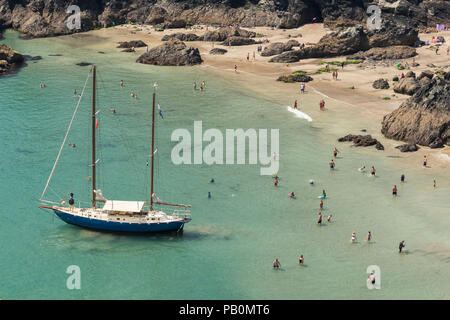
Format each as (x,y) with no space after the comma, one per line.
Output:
(380,84)
(9,59)
(171,53)
(424,118)
(362,141)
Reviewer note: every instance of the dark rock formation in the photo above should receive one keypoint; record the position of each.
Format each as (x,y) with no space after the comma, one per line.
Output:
(224,33)
(83,64)
(9,59)
(181,36)
(385,53)
(171,53)
(395,30)
(295,78)
(424,118)
(362,141)
(218,51)
(336,43)
(426,73)
(407,86)
(128,50)
(395,78)
(238,41)
(409,147)
(410,74)
(380,84)
(278,47)
(132,44)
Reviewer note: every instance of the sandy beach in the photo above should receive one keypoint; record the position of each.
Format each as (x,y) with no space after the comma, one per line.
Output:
(352,103)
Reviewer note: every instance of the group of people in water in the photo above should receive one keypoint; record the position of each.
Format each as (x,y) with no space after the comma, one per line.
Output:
(202,85)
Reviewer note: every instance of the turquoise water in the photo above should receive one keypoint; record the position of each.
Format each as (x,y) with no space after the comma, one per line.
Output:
(227,250)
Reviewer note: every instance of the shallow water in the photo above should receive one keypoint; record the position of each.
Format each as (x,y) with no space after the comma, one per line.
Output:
(227,250)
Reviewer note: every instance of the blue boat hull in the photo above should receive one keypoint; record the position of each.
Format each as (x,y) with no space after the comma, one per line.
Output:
(97,224)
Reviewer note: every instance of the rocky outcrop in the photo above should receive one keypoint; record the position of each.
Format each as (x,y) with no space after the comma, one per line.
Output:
(239,41)
(132,44)
(171,53)
(385,53)
(380,84)
(278,47)
(337,43)
(40,18)
(217,51)
(424,118)
(362,141)
(395,30)
(223,34)
(9,59)
(181,36)
(409,147)
(407,85)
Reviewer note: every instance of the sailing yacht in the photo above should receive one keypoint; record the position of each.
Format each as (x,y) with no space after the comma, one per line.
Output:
(118,215)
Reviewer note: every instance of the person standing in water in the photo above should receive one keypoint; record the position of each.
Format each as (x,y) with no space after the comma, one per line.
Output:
(335,152)
(324,194)
(332,164)
(295,104)
(369,236)
(209,195)
(372,172)
(321,204)
(329,218)
(402,178)
(121,83)
(275,182)
(301,260)
(235,68)
(401,245)
(353,240)
(276,264)
(434,183)
(319,222)
(394,190)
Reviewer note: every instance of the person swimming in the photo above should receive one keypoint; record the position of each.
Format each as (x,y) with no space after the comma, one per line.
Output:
(311,181)
(212,180)
(329,218)
(362,168)
(324,194)
(113,111)
(371,278)
(73,145)
(292,195)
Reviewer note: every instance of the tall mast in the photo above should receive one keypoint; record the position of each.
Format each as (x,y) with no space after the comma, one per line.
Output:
(93,136)
(153,151)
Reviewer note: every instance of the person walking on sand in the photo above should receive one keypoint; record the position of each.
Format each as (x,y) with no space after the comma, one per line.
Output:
(302,88)
(336,75)
(254,55)
(321,105)
(342,65)
(235,68)
(295,104)
(248,56)
(425,161)
(434,183)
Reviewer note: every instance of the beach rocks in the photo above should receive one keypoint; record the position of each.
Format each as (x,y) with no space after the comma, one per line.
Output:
(409,147)
(407,85)
(426,74)
(171,53)
(386,53)
(217,51)
(295,78)
(337,43)
(278,47)
(9,59)
(238,41)
(181,36)
(395,30)
(83,64)
(395,78)
(223,34)
(410,74)
(132,44)
(362,141)
(380,84)
(424,118)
